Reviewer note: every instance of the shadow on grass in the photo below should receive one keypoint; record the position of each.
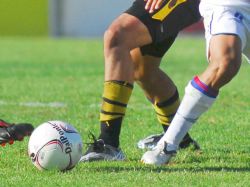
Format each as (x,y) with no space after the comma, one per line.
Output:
(155,169)
(196,162)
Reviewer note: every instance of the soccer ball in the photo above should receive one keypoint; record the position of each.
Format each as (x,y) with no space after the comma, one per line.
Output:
(55,145)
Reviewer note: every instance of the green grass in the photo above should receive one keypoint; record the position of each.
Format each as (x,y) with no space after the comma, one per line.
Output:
(37,72)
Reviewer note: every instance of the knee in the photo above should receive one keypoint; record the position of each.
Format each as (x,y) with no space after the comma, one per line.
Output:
(114,37)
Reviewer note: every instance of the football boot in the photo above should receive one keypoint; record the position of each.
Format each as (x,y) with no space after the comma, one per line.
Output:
(159,155)
(13,132)
(151,141)
(99,151)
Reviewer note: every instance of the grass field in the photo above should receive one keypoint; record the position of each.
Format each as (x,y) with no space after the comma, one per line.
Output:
(45,79)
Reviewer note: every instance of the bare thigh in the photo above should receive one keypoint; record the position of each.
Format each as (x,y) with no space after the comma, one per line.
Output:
(124,34)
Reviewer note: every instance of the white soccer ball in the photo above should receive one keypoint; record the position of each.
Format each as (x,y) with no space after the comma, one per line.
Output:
(55,145)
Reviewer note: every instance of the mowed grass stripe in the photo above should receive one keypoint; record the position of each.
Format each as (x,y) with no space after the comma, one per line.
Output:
(71,71)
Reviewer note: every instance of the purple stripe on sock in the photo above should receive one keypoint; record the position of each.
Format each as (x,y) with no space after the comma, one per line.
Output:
(202,87)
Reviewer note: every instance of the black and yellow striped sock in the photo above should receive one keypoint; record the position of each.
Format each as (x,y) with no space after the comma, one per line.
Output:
(114,103)
(166,110)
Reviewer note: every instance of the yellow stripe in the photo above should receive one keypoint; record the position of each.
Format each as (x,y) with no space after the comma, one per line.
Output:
(105,117)
(107,107)
(117,92)
(164,120)
(167,9)
(163,113)
(169,110)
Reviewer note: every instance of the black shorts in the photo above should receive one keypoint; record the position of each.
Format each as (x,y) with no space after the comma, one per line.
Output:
(165,23)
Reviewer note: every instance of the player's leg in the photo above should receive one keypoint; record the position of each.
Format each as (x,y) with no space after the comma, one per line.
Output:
(159,89)
(132,29)
(224,53)
(13,132)
(124,34)
(202,90)
(200,94)
(157,86)
(165,100)
(151,78)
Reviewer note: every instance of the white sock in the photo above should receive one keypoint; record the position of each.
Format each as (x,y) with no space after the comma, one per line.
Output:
(195,102)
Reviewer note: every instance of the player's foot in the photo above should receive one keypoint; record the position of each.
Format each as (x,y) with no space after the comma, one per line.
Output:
(13,132)
(99,151)
(160,155)
(151,141)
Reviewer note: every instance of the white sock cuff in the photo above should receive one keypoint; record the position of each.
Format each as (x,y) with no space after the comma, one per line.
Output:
(193,92)
(194,103)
